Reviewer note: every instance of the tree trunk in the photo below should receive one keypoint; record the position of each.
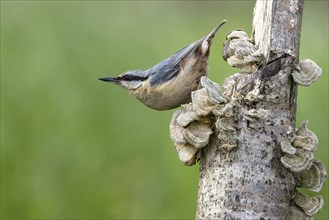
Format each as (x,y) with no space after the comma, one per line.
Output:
(249,181)
(252,158)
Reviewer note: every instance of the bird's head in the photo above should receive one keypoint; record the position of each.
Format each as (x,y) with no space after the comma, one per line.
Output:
(129,80)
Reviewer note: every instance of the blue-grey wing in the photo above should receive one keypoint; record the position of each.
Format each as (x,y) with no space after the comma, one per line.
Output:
(169,68)
(177,57)
(163,72)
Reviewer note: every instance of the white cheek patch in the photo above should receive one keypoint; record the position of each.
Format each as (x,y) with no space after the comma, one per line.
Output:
(131,84)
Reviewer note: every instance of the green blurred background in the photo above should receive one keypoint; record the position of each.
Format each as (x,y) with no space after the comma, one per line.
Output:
(76,147)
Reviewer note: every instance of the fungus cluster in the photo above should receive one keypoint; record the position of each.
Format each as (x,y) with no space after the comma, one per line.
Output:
(216,110)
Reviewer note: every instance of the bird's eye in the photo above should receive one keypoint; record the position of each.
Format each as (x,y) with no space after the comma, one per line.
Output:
(132,77)
(128,77)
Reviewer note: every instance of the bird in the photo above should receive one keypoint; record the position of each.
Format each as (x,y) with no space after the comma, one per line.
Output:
(169,84)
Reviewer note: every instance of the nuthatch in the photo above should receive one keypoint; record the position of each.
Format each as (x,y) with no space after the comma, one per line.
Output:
(169,83)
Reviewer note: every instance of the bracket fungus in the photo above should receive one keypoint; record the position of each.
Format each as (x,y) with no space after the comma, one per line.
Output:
(192,126)
(186,153)
(305,138)
(306,72)
(214,91)
(176,131)
(201,103)
(287,148)
(313,178)
(221,113)
(239,51)
(310,205)
(187,115)
(198,132)
(309,172)
(295,212)
(301,160)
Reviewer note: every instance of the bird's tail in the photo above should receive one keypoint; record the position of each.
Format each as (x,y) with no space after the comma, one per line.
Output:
(207,40)
(213,32)
(201,46)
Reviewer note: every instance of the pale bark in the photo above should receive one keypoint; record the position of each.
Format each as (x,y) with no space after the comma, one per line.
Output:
(250,181)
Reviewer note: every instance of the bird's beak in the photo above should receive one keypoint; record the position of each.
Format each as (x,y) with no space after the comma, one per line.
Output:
(110,79)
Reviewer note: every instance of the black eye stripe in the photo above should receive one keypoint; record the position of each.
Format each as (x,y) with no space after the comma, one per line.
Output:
(132,78)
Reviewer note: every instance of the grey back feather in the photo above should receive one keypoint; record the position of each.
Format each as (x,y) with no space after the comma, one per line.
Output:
(168,69)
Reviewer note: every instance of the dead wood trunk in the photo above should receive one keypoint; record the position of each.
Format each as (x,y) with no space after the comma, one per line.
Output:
(250,182)
(252,158)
